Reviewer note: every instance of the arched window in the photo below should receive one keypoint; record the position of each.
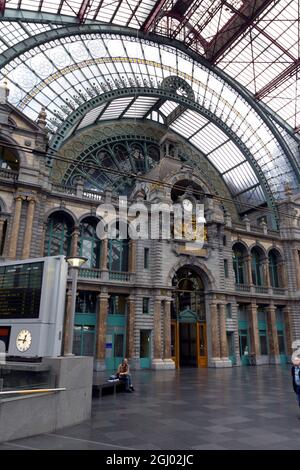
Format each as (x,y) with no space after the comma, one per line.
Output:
(189,293)
(257,267)
(118,255)
(8,159)
(273,268)
(238,260)
(89,243)
(58,235)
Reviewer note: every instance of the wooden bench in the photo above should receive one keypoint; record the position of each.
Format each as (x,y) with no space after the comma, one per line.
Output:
(109,387)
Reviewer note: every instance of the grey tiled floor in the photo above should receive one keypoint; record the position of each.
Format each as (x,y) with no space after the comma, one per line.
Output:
(239,408)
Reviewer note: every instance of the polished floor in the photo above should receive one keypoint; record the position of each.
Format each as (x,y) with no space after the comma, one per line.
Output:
(239,408)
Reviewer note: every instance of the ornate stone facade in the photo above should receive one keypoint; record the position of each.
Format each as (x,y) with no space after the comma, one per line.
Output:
(245,311)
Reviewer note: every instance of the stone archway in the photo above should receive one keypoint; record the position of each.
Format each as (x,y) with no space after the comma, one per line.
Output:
(188,318)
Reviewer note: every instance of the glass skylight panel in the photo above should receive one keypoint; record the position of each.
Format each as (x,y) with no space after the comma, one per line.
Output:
(226,157)
(241,178)
(91,116)
(211,137)
(168,107)
(140,107)
(185,125)
(116,108)
(254,196)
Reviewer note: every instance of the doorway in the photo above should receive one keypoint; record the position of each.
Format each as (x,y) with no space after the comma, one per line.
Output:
(188,345)
(145,349)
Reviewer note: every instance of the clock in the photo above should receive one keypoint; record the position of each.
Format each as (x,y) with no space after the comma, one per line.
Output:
(187,205)
(23,341)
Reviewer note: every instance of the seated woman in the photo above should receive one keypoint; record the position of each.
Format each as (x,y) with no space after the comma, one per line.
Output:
(124,374)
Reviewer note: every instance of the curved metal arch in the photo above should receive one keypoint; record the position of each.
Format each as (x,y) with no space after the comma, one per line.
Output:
(78,114)
(47,36)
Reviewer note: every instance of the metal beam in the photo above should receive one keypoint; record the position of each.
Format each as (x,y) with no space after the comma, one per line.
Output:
(235,27)
(2,7)
(156,10)
(82,11)
(67,31)
(277,81)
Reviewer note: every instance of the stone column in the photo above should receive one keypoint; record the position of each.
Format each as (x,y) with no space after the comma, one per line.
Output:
(249,270)
(132,256)
(288,330)
(15,227)
(157,362)
(104,254)
(266,273)
(28,229)
(254,333)
(74,243)
(67,322)
(282,275)
(130,349)
(297,266)
(215,343)
(2,222)
(43,238)
(272,334)
(223,335)
(102,308)
(169,363)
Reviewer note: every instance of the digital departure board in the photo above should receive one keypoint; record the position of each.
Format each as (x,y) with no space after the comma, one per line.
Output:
(20,290)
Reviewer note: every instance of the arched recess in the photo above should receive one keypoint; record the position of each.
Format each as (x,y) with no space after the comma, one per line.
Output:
(58,236)
(253,188)
(188,316)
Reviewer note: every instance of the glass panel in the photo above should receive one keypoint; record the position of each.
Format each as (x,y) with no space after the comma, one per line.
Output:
(281,343)
(88,341)
(119,345)
(202,340)
(86,302)
(145,343)
(263,344)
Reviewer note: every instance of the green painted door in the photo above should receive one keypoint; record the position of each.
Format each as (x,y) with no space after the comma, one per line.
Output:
(145,349)
(281,342)
(244,342)
(230,345)
(84,340)
(115,341)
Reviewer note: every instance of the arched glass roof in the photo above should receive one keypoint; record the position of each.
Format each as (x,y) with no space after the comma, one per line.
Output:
(55,55)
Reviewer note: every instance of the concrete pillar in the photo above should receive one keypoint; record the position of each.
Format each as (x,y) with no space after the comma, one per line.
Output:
(28,229)
(74,243)
(288,330)
(67,322)
(215,343)
(2,222)
(104,254)
(249,270)
(130,349)
(15,227)
(223,335)
(254,333)
(102,308)
(272,334)
(157,362)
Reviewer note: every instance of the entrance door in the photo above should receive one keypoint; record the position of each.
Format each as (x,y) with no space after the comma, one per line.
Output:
(188,345)
(145,349)
(115,348)
(202,345)
(244,346)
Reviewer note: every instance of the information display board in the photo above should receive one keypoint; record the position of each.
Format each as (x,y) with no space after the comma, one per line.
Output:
(20,290)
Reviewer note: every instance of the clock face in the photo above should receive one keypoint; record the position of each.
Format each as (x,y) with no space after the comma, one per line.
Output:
(23,341)
(187,205)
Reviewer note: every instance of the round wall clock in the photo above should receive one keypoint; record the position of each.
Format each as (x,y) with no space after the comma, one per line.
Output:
(23,341)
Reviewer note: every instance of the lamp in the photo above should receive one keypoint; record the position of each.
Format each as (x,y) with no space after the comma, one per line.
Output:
(75,262)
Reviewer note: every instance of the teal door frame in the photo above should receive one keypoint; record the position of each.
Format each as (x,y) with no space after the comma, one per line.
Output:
(116,325)
(231,349)
(281,331)
(243,326)
(145,361)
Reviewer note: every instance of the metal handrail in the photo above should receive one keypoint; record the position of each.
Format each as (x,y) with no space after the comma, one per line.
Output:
(39,390)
